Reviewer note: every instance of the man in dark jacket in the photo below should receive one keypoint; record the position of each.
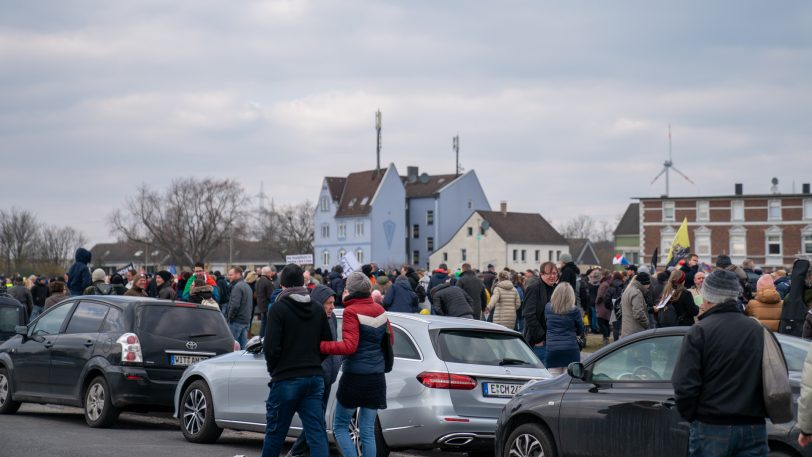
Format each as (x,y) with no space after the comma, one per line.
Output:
(439,276)
(79,274)
(240,306)
(569,271)
(400,297)
(489,277)
(39,292)
(21,293)
(163,282)
(690,268)
(296,327)
(336,282)
(535,299)
(448,300)
(474,288)
(264,290)
(717,379)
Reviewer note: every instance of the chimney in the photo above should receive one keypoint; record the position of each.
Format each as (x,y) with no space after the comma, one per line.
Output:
(411,175)
(503,207)
(805,188)
(739,189)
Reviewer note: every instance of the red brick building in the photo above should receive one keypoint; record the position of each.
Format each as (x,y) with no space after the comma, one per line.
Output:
(771,229)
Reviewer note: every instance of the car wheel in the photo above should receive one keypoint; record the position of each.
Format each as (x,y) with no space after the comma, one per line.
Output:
(99,409)
(529,440)
(197,414)
(381,449)
(7,405)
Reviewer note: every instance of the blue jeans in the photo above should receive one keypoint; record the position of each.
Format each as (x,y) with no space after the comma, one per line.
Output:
(239,332)
(366,427)
(707,440)
(300,446)
(541,353)
(297,395)
(36,311)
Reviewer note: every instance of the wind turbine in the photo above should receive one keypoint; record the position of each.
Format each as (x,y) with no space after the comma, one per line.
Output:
(668,165)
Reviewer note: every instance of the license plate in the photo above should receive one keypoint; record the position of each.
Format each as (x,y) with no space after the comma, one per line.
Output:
(185,360)
(498,389)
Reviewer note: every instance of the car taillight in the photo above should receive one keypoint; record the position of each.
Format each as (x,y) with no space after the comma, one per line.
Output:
(130,348)
(236,346)
(437,380)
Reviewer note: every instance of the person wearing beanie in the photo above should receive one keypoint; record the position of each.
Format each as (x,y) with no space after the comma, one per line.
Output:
(723,262)
(99,285)
(766,304)
(39,292)
(118,284)
(569,273)
(400,297)
(362,383)
(382,284)
(295,328)
(718,375)
(634,308)
(439,276)
(163,279)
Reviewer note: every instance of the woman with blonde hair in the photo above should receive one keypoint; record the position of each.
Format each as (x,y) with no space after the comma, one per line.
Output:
(504,302)
(564,324)
(677,305)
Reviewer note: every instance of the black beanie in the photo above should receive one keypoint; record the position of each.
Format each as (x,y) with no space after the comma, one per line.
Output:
(165,275)
(292,276)
(644,278)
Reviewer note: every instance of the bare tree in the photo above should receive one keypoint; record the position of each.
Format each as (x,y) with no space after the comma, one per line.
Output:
(584,226)
(288,228)
(56,245)
(18,233)
(189,220)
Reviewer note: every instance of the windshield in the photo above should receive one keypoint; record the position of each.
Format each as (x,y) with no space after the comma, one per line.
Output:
(485,348)
(795,350)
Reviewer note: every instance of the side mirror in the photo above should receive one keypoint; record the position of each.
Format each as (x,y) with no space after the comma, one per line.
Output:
(21,330)
(254,345)
(576,370)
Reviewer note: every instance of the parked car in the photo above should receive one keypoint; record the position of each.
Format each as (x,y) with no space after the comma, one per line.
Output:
(620,402)
(12,314)
(107,354)
(450,380)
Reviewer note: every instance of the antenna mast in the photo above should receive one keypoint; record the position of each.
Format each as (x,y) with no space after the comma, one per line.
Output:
(455,144)
(378,149)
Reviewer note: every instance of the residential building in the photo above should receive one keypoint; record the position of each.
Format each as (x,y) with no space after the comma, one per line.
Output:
(627,234)
(586,253)
(515,240)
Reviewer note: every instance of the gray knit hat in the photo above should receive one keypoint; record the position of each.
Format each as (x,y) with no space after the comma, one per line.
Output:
(566,258)
(358,282)
(98,275)
(721,285)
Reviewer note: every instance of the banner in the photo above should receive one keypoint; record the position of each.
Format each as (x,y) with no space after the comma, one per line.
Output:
(349,263)
(124,270)
(681,245)
(300,259)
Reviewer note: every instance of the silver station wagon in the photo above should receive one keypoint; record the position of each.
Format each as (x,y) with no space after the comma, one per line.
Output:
(450,380)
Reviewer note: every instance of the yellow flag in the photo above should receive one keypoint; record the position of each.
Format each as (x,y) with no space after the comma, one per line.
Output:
(681,245)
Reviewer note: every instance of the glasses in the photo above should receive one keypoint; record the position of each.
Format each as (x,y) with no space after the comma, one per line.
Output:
(550,273)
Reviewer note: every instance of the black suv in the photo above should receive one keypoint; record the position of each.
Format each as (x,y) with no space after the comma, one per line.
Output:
(107,354)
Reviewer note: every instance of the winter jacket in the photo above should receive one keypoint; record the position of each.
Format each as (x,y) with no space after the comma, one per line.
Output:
(488,278)
(690,272)
(536,298)
(563,328)
(99,288)
(295,328)
(199,293)
(793,313)
(448,300)
(336,282)
(601,309)
(135,291)
(332,364)
(264,290)
(364,326)
(22,295)
(685,310)
(240,303)
(437,278)
(570,273)
(39,293)
(717,378)
(54,299)
(400,297)
(633,304)
(79,273)
(166,292)
(504,304)
(782,286)
(752,278)
(191,282)
(476,290)
(766,307)
(804,423)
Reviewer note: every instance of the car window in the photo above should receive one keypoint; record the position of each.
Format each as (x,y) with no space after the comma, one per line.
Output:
(484,348)
(51,322)
(403,347)
(114,322)
(181,322)
(9,318)
(87,317)
(651,359)
(795,350)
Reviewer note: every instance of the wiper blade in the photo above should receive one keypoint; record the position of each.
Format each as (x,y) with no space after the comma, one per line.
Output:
(512,362)
(201,335)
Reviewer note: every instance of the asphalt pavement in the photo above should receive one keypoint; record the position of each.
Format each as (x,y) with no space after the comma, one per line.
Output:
(60,431)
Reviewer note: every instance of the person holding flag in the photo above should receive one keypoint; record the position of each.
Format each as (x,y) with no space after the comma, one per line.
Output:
(680,247)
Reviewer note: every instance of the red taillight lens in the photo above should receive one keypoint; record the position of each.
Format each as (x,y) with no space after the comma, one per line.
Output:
(130,348)
(132,339)
(130,356)
(438,380)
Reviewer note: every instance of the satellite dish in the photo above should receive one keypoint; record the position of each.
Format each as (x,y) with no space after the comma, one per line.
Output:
(775,181)
(485,225)
(412,179)
(424,178)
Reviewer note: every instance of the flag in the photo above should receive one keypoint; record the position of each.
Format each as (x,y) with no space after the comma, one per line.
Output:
(620,260)
(655,258)
(680,246)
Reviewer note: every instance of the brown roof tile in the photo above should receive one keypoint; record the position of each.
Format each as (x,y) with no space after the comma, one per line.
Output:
(630,222)
(359,189)
(523,228)
(422,190)
(336,187)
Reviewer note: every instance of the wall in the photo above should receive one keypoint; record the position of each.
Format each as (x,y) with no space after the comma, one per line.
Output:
(530,259)
(388,219)
(417,215)
(456,203)
(489,249)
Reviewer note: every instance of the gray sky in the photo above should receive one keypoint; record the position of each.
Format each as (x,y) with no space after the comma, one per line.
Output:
(562,107)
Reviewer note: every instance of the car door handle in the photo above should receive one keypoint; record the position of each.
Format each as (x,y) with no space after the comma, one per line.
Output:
(89,343)
(48,344)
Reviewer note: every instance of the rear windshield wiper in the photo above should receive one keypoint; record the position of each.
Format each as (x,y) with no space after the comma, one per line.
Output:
(512,362)
(201,335)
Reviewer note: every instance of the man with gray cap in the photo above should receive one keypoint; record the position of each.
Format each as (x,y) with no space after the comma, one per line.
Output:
(717,379)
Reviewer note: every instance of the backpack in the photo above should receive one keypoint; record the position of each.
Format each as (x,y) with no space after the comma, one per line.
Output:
(612,301)
(667,316)
(103,289)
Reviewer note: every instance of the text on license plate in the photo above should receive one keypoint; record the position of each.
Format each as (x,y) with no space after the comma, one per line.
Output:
(185,359)
(498,389)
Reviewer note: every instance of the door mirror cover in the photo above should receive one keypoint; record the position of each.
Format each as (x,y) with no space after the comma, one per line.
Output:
(21,330)
(254,345)
(576,370)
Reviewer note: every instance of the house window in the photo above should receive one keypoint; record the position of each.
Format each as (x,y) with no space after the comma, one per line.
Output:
(464,254)
(430,243)
(738,244)
(481,231)
(549,256)
(325,231)
(430,217)
(470,231)
(806,240)
(524,255)
(774,213)
(359,228)
(469,204)
(515,255)
(325,258)
(445,257)
(737,210)
(557,256)
(325,203)
(773,244)
(668,211)
(341,253)
(774,239)
(666,238)
(808,209)
(342,231)
(538,256)
(702,244)
(703,211)
(359,254)
(415,257)
(415,231)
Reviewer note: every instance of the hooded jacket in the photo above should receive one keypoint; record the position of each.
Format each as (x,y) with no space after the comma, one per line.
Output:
(166,292)
(633,304)
(295,328)
(400,297)
(476,290)
(448,300)
(766,306)
(79,273)
(39,292)
(363,329)
(570,273)
(437,278)
(782,285)
(504,304)
(199,293)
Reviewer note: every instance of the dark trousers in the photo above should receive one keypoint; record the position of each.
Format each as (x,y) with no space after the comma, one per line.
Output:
(300,447)
(603,326)
(616,329)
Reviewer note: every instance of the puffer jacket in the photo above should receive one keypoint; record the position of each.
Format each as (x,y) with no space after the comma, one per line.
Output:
(400,298)
(766,306)
(633,304)
(782,286)
(563,328)
(448,300)
(364,326)
(504,304)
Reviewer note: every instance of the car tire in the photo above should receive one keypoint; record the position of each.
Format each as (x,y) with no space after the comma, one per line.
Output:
(98,404)
(197,414)
(7,405)
(529,440)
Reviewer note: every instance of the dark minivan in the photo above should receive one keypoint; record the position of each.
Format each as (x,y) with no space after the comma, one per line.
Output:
(107,354)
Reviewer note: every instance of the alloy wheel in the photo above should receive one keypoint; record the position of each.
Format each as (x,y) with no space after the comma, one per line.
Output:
(3,389)
(194,411)
(355,432)
(526,445)
(94,404)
